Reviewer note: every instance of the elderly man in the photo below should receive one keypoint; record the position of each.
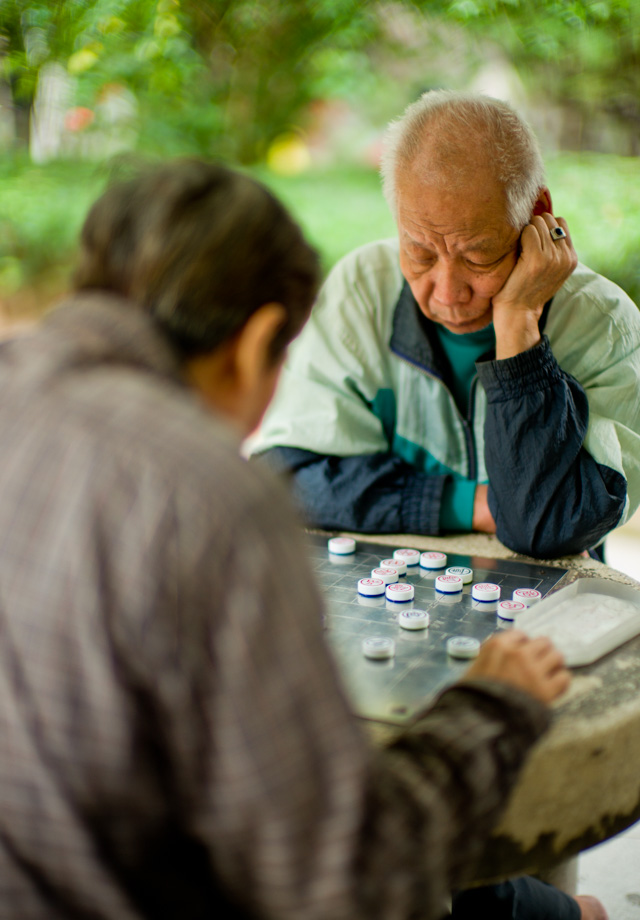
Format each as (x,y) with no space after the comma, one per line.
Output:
(466,376)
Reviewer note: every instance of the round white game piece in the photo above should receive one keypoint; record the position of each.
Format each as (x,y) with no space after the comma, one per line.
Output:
(413,619)
(449,584)
(409,556)
(486,592)
(400,592)
(387,574)
(433,560)
(371,587)
(397,564)
(463,647)
(378,647)
(342,546)
(528,596)
(508,610)
(465,574)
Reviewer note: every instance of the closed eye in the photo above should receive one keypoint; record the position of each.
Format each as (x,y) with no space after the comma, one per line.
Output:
(482,265)
(485,266)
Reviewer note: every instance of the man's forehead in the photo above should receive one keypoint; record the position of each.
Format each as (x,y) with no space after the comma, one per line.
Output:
(482,242)
(465,189)
(472,215)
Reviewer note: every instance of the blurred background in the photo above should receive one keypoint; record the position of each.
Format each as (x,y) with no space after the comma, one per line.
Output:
(298,93)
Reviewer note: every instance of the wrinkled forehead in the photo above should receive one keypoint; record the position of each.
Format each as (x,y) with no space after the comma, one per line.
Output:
(468,205)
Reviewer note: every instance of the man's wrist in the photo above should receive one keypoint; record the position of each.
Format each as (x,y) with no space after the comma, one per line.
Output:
(518,332)
(526,373)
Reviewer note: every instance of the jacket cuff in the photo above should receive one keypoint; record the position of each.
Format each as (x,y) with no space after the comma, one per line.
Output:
(515,705)
(528,372)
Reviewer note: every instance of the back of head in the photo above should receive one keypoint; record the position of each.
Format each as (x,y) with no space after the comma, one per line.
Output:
(200,248)
(446,137)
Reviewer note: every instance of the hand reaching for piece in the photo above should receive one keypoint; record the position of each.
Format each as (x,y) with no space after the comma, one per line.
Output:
(533,665)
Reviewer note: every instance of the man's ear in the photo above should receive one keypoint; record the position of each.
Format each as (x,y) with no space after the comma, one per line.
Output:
(253,343)
(543,202)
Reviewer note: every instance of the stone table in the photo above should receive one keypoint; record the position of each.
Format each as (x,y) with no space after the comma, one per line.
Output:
(581,783)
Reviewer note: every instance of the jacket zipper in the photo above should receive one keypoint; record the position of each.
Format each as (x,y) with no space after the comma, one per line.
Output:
(467,423)
(467,426)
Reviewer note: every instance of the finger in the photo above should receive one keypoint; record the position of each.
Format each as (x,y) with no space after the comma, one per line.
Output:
(553,664)
(508,639)
(545,224)
(559,683)
(550,690)
(548,665)
(543,647)
(563,246)
(533,235)
(562,223)
(541,642)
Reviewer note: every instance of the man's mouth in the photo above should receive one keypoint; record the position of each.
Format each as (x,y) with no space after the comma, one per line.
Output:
(483,319)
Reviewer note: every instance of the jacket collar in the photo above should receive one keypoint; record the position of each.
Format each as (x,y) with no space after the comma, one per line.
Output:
(413,336)
(96,327)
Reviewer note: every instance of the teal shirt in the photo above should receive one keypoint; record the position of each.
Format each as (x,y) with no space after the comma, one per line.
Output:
(461,352)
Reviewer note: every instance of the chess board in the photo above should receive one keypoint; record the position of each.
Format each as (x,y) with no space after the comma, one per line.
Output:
(396,689)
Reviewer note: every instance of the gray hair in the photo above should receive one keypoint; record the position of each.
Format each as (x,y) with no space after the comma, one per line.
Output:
(500,139)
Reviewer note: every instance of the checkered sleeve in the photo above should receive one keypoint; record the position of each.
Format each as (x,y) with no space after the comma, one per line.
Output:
(437,792)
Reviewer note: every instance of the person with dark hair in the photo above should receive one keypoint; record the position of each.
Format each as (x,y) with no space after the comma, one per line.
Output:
(153,240)
(175,742)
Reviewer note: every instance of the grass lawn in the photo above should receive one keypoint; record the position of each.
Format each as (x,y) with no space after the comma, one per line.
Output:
(599,196)
(42,208)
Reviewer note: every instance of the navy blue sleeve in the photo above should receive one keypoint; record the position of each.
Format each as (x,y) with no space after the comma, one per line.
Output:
(372,493)
(522,898)
(547,494)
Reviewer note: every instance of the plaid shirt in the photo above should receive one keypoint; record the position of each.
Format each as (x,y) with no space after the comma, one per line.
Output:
(174,741)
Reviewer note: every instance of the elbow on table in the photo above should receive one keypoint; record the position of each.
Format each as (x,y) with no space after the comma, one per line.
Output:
(554,541)
(543,546)
(575,516)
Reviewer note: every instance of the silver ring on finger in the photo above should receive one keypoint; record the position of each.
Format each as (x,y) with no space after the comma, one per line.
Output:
(557,233)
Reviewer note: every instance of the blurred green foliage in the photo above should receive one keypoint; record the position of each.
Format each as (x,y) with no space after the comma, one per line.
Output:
(224,76)
(228,76)
(42,208)
(600,197)
(41,211)
(583,55)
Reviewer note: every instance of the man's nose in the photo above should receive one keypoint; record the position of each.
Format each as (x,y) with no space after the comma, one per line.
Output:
(449,286)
